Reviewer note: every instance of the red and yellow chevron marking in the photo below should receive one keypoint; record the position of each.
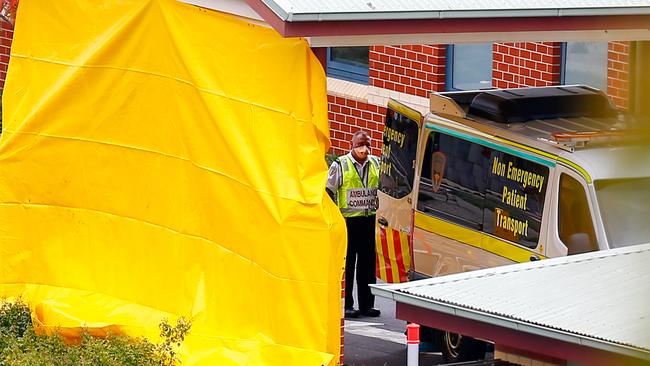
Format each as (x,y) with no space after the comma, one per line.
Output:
(393,255)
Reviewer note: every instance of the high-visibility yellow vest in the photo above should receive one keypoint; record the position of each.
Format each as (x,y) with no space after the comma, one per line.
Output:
(353,197)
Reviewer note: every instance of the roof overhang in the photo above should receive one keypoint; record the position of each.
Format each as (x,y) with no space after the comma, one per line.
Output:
(350,26)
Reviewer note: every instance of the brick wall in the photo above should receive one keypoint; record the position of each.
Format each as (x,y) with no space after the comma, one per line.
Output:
(6,35)
(347,115)
(412,69)
(521,64)
(618,76)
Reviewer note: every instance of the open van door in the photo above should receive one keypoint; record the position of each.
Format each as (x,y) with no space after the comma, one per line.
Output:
(394,225)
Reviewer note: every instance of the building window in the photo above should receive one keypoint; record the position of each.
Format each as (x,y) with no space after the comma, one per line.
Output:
(469,66)
(584,63)
(348,63)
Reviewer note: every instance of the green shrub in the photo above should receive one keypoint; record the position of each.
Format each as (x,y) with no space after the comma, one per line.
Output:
(329,158)
(20,345)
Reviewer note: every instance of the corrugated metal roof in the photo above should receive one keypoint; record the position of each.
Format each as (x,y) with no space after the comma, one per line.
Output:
(599,299)
(321,10)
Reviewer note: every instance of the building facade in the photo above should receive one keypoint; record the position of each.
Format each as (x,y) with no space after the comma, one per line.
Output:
(408,73)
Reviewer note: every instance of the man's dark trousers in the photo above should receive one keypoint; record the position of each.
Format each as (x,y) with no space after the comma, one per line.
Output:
(361,249)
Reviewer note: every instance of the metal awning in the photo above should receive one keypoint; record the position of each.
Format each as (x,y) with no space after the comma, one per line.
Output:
(371,22)
(595,301)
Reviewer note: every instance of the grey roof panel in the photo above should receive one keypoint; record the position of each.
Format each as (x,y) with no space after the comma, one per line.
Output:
(310,10)
(602,297)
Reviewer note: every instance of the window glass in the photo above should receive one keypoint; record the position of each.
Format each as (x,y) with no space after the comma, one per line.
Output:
(349,63)
(586,63)
(399,145)
(625,208)
(515,193)
(575,226)
(452,183)
(471,67)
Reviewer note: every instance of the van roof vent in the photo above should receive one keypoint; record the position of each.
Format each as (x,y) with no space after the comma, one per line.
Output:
(528,104)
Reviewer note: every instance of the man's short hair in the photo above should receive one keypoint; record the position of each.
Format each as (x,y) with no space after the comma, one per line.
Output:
(359,133)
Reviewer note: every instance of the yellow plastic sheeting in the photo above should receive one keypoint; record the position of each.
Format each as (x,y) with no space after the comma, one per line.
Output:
(162,160)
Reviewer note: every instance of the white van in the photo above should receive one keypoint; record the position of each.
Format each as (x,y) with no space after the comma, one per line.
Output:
(495,177)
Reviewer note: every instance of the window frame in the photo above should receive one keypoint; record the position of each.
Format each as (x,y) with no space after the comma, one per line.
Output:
(449,70)
(563,60)
(346,71)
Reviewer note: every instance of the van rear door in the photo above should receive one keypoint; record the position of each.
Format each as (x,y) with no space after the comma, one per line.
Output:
(394,225)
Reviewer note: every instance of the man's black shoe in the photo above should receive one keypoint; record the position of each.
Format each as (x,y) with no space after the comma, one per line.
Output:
(372,312)
(351,313)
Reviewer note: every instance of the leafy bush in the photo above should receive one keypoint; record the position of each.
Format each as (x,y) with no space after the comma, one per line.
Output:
(20,345)
(329,158)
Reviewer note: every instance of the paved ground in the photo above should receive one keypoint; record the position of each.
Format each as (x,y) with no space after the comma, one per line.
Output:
(380,341)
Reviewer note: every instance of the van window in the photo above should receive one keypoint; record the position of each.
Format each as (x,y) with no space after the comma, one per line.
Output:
(397,169)
(514,198)
(575,226)
(482,189)
(452,183)
(623,205)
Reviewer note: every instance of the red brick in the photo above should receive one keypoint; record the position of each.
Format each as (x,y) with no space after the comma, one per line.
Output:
(417,48)
(390,51)
(400,53)
(502,67)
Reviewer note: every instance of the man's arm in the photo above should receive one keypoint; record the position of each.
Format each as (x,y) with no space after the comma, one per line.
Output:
(333,180)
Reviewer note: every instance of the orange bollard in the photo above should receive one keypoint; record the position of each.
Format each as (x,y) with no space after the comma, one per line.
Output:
(412,344)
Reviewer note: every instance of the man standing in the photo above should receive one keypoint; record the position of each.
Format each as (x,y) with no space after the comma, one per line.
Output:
(352,182)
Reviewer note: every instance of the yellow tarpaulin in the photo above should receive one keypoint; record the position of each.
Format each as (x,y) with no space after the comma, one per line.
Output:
(159,159)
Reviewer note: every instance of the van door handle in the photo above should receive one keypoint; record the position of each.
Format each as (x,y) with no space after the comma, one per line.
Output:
(382,221)
(534,258)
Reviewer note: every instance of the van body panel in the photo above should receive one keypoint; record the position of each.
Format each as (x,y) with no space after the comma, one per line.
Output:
(437,255)
(430,231)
